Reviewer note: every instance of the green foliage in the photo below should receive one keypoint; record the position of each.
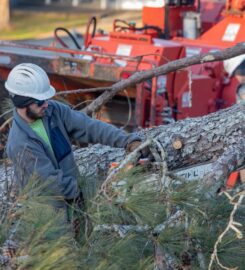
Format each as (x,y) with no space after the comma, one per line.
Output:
(134,200)
(2,234)
(122,227)
(111,252)
(44,237)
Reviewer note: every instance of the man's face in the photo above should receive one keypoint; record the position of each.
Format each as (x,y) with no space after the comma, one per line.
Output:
(34,112)
(241,93)
(242,96)
(241,78)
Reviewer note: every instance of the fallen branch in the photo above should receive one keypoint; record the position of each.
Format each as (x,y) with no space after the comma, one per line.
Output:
(7,122)
(232,159)
(123,230)
(87,90)
(130,158)
(211,139)
(232,225)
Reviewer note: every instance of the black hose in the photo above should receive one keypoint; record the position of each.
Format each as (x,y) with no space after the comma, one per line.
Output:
(69,34)
(93,21)
(95,25)
(146,27)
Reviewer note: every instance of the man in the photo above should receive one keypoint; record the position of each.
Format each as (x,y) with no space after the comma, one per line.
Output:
(241,93)
(39,139)
(236,67)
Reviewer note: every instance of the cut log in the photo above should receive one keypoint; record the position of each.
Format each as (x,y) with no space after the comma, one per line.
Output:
(216,138)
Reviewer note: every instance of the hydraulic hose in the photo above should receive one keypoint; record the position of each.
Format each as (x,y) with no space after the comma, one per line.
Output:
(128,26)
(59,39)
(93,22)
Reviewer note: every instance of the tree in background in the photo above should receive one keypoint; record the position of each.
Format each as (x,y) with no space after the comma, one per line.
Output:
(4,13)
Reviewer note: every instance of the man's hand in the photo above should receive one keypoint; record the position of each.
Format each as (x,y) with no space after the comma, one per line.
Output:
(145,152)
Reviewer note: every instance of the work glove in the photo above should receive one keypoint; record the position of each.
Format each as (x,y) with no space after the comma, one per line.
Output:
(144,153)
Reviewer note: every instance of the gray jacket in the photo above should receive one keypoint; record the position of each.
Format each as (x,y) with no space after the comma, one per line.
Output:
(31,155)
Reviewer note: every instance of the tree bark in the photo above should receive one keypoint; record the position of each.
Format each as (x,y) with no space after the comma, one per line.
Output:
(4,14)
(217,138)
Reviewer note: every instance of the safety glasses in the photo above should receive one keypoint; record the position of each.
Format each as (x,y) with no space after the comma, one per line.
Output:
(39,102)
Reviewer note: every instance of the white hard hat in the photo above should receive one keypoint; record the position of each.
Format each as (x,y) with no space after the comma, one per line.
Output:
(29,80)
(231,64)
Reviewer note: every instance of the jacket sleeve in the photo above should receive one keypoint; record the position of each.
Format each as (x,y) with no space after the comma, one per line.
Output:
(34,162)
(87,130)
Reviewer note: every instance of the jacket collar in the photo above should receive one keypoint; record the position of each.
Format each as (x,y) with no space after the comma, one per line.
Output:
(22,124)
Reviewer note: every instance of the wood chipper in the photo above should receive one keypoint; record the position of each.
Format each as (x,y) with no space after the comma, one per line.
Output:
(107,58)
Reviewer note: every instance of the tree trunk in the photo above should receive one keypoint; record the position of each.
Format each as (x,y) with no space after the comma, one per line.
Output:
(216,138)
(211,138)
(4,13)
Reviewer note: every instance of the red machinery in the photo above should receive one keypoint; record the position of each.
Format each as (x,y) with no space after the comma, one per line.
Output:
(196,91)
(172,17)
(105,59)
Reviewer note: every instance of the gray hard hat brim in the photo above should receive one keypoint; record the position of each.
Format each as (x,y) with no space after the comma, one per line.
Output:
(47,95)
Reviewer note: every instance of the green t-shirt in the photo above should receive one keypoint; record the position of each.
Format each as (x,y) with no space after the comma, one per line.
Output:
(40,130)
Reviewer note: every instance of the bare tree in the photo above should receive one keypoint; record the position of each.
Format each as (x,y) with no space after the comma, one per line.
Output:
(4,13)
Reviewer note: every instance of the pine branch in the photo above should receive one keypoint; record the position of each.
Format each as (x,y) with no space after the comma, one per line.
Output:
(229,161)
(160,260)
(122,230)
(232,225)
